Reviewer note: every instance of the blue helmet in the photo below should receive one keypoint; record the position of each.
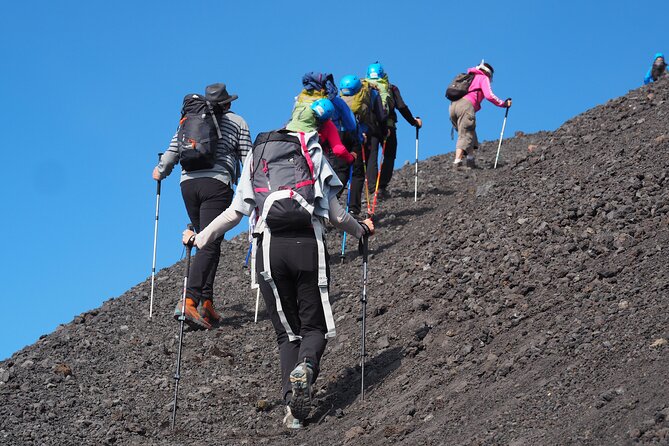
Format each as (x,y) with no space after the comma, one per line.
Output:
(349,85)
(658,55)
(375,71)
(323,109)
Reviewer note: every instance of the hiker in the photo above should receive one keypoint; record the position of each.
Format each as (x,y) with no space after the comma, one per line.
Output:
(347,127)
(365,102)
(335,151)
(206,193)
(376,74)
(314,108)
(292,200)
(657,70)
(463,113)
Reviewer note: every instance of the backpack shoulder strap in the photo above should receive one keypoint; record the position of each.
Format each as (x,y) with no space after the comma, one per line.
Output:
(305,151)
(215,119)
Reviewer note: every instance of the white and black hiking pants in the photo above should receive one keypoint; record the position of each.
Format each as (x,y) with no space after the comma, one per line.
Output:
(294,266)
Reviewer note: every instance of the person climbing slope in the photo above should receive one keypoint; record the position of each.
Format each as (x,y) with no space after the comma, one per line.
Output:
(463,112)
(207,191)
(397,103)
(657,70)
(314,108)
(365,102)
(292,199)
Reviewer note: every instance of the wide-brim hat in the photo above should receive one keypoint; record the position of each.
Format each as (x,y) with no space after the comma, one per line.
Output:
(218,94)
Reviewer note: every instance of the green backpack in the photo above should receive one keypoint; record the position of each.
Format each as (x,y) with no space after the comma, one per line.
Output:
(383,85)
(303,119)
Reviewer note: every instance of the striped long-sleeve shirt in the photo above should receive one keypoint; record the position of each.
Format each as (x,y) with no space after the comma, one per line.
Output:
(231,150)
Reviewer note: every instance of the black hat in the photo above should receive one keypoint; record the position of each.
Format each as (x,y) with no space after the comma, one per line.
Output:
(218,94)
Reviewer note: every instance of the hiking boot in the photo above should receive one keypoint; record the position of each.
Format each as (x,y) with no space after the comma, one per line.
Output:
(192,317)
(290,422)
(208,312)
(384,194)
(471,163)
(300,381)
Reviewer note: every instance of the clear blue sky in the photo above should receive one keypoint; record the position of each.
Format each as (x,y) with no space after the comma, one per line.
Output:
(92,91)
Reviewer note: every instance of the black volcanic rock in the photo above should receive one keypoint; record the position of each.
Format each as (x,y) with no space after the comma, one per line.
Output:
(525,305)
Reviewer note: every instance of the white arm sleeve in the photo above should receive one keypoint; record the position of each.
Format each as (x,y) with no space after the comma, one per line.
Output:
(343,220)
(225,221)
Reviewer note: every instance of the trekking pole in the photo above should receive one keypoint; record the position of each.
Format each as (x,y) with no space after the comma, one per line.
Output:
(363,352)
(182,319)
(378,175)
(257,302)
(364,169)
(501,136)
(348,201)
(415,182)
(155,243)
(248,254)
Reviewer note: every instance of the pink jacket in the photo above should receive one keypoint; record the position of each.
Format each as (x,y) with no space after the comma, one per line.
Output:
(479,89)
(328,132)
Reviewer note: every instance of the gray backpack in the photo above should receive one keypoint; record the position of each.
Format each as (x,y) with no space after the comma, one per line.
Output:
(284,178)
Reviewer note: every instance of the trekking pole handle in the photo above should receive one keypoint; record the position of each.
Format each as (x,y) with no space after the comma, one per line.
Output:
(417,128)
(160,155)
(507,108)
(190,227)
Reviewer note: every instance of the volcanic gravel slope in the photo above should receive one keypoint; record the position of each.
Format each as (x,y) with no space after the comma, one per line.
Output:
(525,305)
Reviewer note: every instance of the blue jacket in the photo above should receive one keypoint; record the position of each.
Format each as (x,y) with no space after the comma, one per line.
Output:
(343,117)
(649,75)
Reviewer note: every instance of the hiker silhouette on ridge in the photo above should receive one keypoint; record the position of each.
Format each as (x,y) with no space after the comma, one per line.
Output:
(657,70)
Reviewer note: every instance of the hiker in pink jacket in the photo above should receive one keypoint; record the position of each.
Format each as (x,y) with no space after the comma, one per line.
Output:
(463,113)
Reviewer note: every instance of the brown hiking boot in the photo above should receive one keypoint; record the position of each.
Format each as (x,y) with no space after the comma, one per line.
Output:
(193,318)
(208,312)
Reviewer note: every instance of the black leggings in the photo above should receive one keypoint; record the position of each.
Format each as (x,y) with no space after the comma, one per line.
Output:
(205,199)
(389,156)
(294,265)
(358,180)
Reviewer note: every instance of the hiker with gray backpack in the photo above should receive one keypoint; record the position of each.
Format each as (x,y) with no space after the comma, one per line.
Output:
(466,92)
(292,188)
(209,144)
